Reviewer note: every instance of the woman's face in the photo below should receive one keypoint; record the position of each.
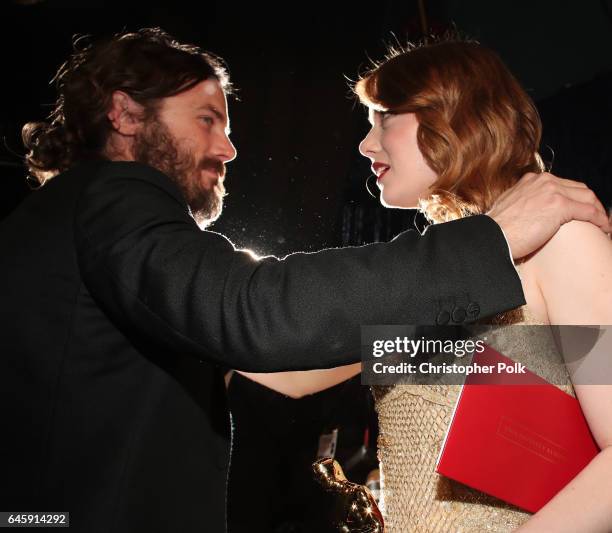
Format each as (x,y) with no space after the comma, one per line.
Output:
(402,173)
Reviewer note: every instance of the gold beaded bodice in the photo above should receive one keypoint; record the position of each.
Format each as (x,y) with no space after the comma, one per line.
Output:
(413,421)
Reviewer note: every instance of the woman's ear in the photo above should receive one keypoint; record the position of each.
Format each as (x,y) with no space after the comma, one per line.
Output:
(125,114)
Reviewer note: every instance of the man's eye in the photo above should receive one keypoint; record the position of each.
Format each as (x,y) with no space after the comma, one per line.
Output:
(207,120)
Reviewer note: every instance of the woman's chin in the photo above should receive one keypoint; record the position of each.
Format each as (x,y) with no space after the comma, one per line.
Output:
(399,203)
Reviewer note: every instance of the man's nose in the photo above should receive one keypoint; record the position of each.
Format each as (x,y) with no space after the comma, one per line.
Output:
(226,151)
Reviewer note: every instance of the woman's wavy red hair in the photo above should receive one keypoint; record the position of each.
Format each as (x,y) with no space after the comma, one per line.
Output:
(478,129)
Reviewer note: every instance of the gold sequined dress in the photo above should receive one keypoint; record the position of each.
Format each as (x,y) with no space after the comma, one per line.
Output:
(413,420)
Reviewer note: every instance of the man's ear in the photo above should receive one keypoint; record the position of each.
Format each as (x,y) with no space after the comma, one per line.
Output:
(125,114)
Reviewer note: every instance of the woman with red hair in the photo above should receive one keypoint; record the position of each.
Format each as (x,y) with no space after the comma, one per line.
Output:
(452,130)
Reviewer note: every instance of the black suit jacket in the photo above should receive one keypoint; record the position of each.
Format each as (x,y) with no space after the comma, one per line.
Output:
(119,314)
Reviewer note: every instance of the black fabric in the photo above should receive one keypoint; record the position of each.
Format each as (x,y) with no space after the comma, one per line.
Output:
(271,484)
(118,316)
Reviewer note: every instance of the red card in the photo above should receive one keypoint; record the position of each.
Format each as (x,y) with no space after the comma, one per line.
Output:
(515,436)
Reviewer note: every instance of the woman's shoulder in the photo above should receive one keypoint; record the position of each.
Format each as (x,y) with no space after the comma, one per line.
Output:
(578,233)
(577,244)
(572,273)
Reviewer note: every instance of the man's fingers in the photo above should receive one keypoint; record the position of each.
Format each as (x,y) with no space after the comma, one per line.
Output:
(586,196)
(553,187)
(531,180)
(561,189)
(588,212)
(571,183)
(564,182)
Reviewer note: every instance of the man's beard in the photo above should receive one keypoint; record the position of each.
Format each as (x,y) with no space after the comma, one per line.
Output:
(155,146)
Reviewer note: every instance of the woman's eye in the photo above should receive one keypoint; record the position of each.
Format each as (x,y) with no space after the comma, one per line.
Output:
(383,118)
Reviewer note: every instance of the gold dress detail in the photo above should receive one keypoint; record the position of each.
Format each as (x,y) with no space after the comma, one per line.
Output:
(413,421)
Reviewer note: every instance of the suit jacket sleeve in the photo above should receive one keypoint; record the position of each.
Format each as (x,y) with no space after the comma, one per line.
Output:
(158,276)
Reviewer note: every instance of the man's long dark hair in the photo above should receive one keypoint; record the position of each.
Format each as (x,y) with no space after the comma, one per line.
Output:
(147,65)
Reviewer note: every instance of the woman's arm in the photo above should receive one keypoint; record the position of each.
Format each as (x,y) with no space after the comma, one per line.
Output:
(301,383)
(574,274)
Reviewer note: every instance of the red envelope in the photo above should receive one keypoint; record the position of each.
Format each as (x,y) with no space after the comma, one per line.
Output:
(515,436)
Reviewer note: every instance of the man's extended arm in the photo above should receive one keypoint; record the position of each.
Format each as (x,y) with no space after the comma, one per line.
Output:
(156,274)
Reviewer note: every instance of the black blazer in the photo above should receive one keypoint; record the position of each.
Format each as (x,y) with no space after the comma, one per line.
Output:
(119,315)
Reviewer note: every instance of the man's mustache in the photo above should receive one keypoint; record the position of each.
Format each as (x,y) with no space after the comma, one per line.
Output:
(215,165)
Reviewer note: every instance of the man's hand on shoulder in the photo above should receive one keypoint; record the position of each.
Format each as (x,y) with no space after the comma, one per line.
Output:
(532,211)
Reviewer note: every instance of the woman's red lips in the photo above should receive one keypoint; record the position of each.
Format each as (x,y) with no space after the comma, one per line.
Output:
(379,169)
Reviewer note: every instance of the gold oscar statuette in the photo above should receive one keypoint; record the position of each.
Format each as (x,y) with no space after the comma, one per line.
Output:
(357,512)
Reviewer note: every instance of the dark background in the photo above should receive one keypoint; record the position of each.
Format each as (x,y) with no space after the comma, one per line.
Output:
(299,182)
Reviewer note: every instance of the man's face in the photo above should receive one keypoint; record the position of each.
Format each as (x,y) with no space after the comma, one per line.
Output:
(187,139)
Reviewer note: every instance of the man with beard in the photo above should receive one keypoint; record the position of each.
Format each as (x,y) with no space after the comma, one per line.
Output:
(120,314)
(187,154)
